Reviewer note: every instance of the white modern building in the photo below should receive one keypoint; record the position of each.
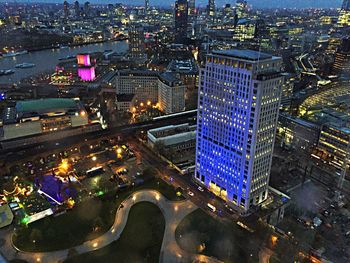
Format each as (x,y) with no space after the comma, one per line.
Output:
(171,93)
(142,83)
(181,136)
(239,100)
(144,87)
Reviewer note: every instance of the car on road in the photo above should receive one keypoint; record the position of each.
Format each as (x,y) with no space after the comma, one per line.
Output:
(190,193)
(200,188)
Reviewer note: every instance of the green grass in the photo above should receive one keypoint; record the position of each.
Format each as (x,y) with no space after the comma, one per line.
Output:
(140,241)
(224,241)
(86,221)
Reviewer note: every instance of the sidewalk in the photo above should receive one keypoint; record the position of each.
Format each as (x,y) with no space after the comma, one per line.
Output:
(173,213)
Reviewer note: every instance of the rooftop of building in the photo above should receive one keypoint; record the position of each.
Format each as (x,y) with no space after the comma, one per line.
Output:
(39,107)
(300,121)
(170,78)
(243,54)
(183,66)
(133,72)
(43,105)
(172,130)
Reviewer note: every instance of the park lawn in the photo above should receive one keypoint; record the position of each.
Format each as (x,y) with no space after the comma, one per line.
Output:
(224,241)
(140,241)
(88,220)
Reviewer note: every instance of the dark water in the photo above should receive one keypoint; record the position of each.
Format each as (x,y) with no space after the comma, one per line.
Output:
(46,60)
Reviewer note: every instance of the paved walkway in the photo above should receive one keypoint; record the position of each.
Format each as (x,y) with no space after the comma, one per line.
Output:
(173,213)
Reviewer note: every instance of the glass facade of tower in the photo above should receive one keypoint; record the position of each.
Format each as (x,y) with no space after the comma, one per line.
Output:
(237,115)
(181,21)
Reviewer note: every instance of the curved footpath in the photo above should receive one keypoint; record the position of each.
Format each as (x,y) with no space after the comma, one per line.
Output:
(170,252)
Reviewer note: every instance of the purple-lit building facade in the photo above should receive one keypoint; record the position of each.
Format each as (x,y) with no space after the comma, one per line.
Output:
(86,70)
(239,100)
(87,73)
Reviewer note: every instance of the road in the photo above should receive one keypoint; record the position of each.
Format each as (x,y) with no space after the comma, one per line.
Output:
(11,155)
(185,182)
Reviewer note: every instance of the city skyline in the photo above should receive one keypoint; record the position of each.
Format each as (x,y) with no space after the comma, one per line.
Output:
(178,130)
(219,3)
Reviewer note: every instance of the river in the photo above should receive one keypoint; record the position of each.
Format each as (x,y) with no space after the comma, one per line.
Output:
(45,60)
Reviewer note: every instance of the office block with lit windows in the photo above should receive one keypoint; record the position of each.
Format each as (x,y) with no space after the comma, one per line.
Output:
(238,107)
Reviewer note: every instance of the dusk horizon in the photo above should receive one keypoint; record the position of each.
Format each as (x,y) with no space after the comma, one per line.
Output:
(203,3)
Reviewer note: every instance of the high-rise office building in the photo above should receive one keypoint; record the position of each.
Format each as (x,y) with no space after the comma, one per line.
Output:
(341,64)
(146,6)
(181,21)
(346,5)
(344,15)
(66,9)
(137,43)
(191,7)
(241,8)
(171,93)
(87,9)
(211,8)
(192,16)
(77,8)
(239,99)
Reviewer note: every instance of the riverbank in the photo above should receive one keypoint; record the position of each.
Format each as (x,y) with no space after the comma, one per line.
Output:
(75,45)
(47,59)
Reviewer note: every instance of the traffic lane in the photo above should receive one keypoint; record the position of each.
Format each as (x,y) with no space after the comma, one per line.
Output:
(20,153)
(201,199)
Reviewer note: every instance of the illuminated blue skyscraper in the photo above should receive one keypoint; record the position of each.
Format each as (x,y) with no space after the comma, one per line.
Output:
(239,99)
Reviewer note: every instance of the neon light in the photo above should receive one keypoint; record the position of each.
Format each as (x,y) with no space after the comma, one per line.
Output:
(25,220)
(87,73)
(100,193)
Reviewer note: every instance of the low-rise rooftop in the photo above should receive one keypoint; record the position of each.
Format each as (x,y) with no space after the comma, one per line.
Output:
(42,105)
(243,54)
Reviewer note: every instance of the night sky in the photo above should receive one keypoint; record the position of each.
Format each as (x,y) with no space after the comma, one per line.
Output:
(255,3)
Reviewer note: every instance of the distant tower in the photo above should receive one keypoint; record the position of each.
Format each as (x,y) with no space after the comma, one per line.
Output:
(77,8)
(344,15)
(241,8)
(211,8)
(137,43)
(146,6)
(239,99)
(191,18)
(66,9)
(87,9)
(341,64)
(191,7)
(181,21)
(346,5)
